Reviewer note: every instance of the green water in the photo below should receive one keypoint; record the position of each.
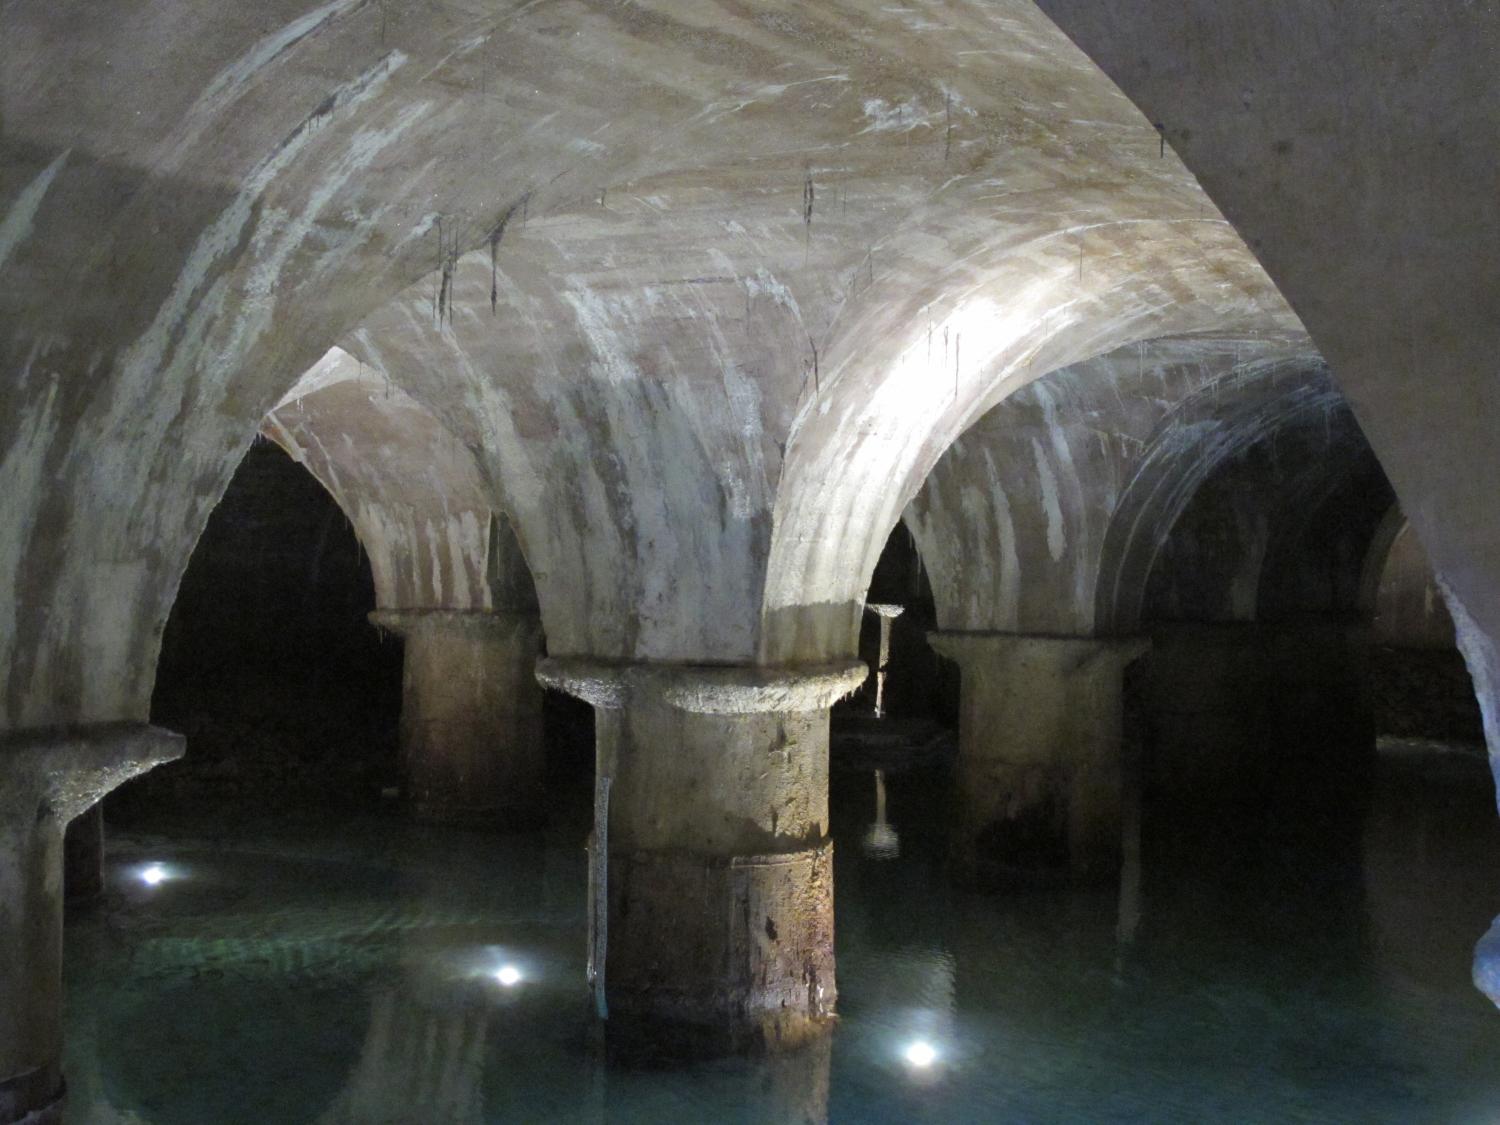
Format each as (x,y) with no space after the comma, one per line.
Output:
(337,969)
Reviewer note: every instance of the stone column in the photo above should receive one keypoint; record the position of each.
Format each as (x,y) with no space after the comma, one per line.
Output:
(471,715)
(1039,774)
(887,614)
(713,874)
(46,779)
(83,856)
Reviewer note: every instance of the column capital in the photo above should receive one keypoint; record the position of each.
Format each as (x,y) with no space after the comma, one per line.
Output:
(885,609)
(965,648)
(478,622)
(705,689)
(71,768)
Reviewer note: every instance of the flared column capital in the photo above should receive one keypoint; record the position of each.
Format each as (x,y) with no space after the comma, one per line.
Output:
(705,689)
(71,768)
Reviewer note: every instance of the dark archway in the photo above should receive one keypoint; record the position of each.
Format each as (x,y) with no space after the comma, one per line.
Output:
(1422,688)
(268,663)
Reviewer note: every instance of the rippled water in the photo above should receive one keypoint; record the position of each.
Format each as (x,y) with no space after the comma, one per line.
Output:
(289,970)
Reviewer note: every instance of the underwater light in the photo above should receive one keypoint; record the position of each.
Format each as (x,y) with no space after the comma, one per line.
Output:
(921,1054)
(508,975)
(153,874)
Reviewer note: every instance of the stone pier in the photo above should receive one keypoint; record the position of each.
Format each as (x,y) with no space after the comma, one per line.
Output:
(47,778)
(471,716)
(1039,774)
(712,880)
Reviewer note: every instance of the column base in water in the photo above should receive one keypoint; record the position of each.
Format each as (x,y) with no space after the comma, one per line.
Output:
(47,778)
(712,922)
(1039,778)
(471,716)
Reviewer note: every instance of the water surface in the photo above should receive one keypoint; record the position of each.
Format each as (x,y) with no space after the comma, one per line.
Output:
(335,968)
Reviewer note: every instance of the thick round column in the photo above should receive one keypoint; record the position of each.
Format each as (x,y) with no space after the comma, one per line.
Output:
(471,715)
(46,779)
(887,614)
(1039,774)
(713,923)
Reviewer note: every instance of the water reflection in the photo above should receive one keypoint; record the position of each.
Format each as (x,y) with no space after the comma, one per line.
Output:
(420,1061)
(881,840)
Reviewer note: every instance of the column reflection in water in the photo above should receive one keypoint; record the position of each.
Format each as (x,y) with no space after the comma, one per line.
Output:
(453,1026)
(918,1030)
(423,1060)
(792,1087)
(903,972)
(881,839)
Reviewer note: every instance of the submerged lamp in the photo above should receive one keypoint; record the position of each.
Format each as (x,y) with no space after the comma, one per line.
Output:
(921,1054)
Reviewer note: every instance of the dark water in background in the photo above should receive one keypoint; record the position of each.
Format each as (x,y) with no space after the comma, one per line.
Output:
(340,969)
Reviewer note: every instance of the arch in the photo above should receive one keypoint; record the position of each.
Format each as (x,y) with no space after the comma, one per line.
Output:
(267,658)
(868,462)
(1399,591)
(1391,525)
(1014,516)
(1198,437)
(414,493)
(1314,563)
